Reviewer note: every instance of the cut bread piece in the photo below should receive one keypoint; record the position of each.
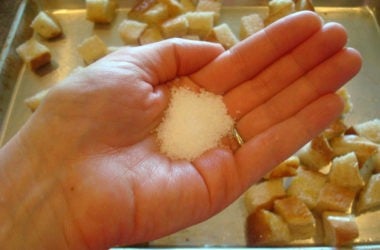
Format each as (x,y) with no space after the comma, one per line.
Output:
(188,5)
(296,214)
(101,11)
(335,198)
(140,8)
(46,26)
(266,228)
(340,228)
(345,172)
(369,198)
(92,49)
(336,129)
(279,9)
(225,36)
(306,186)
(213,6)
(34,53)
(131,30)
(34,101)
(175,27)
(200,23)
(157,14)
(345,95)
(175,8)
(369,129)
(303,5)
(362,147)
(262,195)
(249,25)
(286,168)
(316,154)
(150,35)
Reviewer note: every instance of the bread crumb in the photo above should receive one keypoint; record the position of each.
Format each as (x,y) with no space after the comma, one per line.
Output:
(193,123)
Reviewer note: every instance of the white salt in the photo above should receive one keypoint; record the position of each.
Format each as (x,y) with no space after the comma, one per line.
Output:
(193,123)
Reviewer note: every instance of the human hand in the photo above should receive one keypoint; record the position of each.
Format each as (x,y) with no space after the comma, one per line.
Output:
(95,172)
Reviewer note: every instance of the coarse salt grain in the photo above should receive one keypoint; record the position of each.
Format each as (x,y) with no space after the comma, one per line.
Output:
(193,123)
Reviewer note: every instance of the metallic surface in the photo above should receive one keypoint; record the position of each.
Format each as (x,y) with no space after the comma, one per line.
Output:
(361,19)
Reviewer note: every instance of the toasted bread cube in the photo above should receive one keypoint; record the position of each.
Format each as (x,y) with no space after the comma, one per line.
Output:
(210,5)
(225,36)
(345,172)
(249,25)
(34,53)
(316,154)
(303,5)
(101,11)
(138,10)
(175,27)
(335,198)
(156,14)
(266,228)
(92,49)
(34,101)
(188,5)
(340,229)
(370,196)
(374,160)
(296,214)
(286,168)
(362,147)
(130,31)
(345,95)
(306,186)
(369,129)
(46,26)
(262,195)
(279,9)
(175,8)
(150,35)
(337,128)
(200,23)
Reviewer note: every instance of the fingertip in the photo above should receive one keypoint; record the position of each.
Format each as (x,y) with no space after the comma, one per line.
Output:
(356,59)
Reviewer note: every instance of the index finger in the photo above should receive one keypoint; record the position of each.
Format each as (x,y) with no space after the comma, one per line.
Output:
(252,55)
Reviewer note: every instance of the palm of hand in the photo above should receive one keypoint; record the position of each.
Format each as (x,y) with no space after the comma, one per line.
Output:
(118,185)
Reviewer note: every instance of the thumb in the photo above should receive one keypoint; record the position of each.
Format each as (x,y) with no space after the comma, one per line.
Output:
(163,61)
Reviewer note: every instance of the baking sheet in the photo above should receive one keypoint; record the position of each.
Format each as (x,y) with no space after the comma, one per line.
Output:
(227,228)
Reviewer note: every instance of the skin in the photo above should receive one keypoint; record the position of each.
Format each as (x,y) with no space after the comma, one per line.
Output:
(85,171)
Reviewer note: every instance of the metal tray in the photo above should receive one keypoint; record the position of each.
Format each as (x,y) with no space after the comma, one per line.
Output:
(360,17)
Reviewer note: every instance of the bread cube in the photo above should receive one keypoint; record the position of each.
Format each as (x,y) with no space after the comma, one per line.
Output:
(286,168)
(150,35)
(345,95)
(345,172)
(266,228)
(296,214)
(157,14)
(200,23)
(362,147)
(262,195)
(306,186)
(191,37)
(225,36)
(213,6)
(316,154)
(340,229)
(249,25)
(335,198)
(369,130)
(34,101)
(175,27)
(175,8)
(279,9)
(34,53)
(188,5)
(303,5)
(46,26)
(336,129)
(130,31)
(370,196)
(92,49)
(101,11)
(138,10)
